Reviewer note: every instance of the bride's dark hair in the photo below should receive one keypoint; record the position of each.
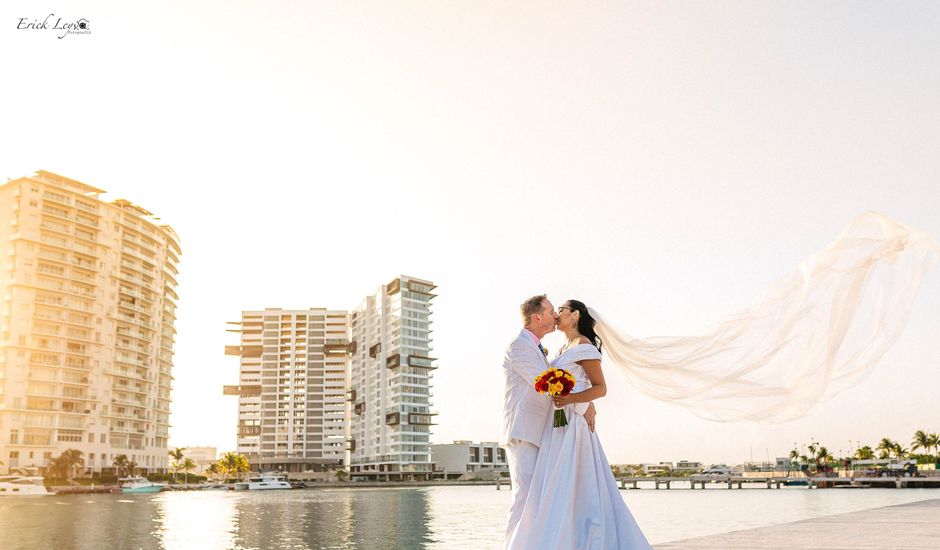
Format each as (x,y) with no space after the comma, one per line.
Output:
(586,323)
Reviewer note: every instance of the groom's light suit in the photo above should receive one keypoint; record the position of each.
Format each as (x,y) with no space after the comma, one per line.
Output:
(525,413)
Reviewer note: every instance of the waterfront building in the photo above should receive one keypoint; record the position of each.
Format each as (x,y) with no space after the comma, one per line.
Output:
(292,388)
(390,382)
(687,467)
(86,326)
(202,456)
(452,460)
(661,468)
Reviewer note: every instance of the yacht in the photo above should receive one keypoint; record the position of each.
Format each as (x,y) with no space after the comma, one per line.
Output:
(23,485)
(139,484)
(267,482)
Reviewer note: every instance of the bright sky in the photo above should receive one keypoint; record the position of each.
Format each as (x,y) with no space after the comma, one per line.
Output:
(662,161)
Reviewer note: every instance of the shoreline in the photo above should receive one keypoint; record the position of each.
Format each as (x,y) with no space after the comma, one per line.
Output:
(912,525)
(111,488)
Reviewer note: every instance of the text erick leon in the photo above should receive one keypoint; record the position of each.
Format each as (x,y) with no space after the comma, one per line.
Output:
(46,24)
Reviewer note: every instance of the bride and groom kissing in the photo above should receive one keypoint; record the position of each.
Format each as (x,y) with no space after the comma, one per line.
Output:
(564,493)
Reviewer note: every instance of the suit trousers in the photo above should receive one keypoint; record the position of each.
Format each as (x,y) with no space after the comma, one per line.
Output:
(521,456)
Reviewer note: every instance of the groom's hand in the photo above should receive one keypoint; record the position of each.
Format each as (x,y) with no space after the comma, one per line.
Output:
(589,415)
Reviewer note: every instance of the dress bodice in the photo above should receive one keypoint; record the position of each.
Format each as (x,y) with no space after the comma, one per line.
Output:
(569,362)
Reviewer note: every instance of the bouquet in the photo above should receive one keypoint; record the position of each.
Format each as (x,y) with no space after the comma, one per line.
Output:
(556,382)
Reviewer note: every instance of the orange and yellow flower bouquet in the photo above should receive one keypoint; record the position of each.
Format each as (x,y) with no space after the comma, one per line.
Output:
(555,382)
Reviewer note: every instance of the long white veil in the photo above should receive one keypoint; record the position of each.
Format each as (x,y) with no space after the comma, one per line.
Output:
(812,334)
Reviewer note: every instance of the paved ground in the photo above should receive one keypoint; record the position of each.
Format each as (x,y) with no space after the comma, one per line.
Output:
(909,526)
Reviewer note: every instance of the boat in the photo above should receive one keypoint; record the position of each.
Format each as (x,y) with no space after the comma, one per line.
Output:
(268,482)
(139,484)
(23,485)
(796,483)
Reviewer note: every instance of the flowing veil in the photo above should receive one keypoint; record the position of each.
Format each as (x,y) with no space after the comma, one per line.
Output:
(815,332)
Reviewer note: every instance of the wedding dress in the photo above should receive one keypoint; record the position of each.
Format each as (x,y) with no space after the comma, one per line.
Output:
(573,500)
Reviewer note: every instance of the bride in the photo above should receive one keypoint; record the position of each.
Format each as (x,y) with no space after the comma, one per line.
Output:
(573,500)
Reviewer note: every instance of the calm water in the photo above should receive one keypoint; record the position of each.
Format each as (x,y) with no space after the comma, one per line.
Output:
(435,518)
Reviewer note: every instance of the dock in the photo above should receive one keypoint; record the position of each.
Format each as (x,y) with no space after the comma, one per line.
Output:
(738,482)
(911,526)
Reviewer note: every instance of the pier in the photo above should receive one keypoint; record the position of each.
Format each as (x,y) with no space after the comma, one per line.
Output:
(911,526)
(775,482)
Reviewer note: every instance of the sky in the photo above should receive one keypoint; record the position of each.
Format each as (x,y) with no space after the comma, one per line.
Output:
(663,162)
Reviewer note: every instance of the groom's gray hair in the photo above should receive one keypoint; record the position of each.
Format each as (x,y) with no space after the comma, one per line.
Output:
(532,306)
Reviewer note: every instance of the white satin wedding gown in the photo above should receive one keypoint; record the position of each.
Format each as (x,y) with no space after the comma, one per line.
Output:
(573,501)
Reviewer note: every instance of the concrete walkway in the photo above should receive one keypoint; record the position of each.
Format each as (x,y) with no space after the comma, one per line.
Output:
(909,526)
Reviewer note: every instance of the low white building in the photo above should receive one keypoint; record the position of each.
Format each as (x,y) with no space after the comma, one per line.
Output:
(452,460)
(661,468)
(684,466)
(202,456)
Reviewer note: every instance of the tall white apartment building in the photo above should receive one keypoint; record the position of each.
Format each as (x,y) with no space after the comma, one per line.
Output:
(87,311)
(291,392)
(390,383)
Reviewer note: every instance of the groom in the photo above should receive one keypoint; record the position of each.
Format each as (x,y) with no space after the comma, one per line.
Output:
(526,412)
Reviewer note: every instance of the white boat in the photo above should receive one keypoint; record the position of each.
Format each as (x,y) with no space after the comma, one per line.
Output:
(23,485)
(268,482)
(139,484)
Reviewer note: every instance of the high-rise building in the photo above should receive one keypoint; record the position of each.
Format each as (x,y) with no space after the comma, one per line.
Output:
(86,326)
(291,392)
(390,382)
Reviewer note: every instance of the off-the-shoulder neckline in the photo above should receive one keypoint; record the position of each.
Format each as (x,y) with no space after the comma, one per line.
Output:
(579,345)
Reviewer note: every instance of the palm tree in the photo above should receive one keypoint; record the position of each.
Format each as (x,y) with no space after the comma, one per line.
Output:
(131,468)
(823,456)
(341,475)
(886,446)
(67,462)
(934,442)
(188,464)
(234,463)
(120,464)
(899,451)
(214,469)
(794,455)
(177,456)
(865,453)
(921,441)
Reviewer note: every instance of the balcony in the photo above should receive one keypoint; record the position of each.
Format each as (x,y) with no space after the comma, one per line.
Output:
(375,350)
(242,391)
(421,362)
(360,407)
(335,347)
(421,288)
(351,395)
(420,419)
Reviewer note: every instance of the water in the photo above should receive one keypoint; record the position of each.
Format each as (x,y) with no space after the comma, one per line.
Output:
(431,518)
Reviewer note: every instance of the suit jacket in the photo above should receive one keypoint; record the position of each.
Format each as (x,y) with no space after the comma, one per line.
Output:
(524,411)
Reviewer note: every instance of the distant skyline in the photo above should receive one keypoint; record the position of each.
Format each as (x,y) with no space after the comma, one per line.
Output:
(662,161)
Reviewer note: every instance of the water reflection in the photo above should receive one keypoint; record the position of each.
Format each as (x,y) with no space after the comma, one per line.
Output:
(194,520)
(327,519)
(432,518)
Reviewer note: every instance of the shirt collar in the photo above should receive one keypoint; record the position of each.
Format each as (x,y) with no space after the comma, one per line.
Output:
(533,337)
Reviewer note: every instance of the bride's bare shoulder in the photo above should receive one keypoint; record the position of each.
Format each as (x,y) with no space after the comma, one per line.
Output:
(584,340)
